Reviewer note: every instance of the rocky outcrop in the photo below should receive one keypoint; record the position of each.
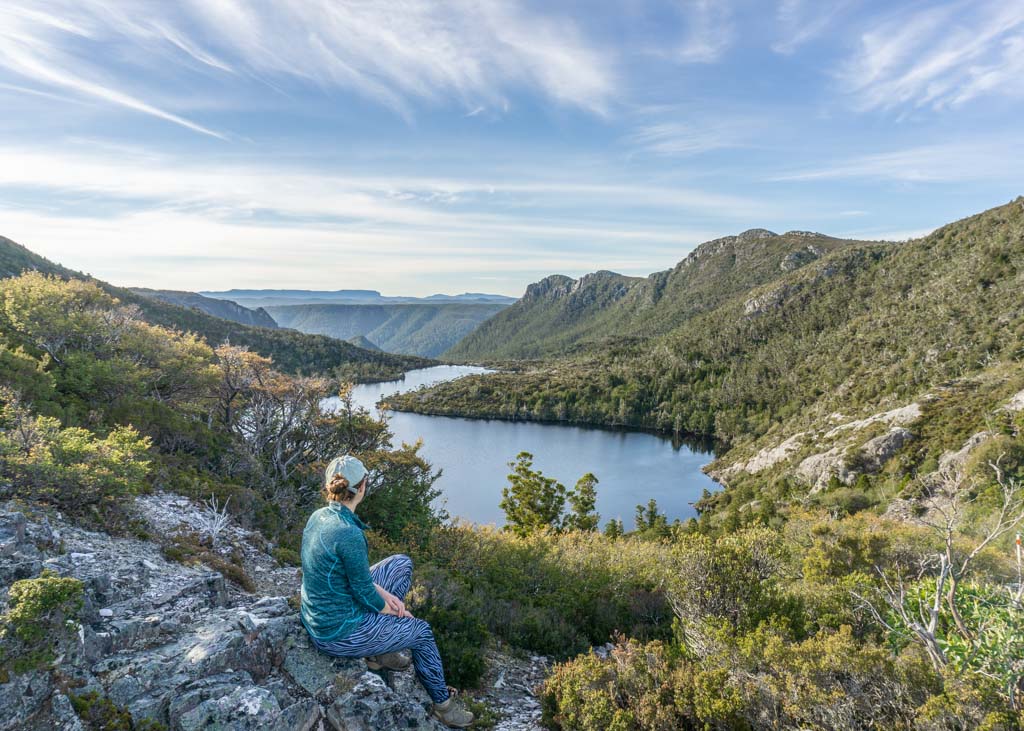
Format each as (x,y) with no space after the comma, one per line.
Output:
(766,301)
(1015,404)
(800,257)
(179,645)
(846,463)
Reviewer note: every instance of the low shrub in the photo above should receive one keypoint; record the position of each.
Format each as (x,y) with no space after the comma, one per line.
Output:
(99,713)
(41,619)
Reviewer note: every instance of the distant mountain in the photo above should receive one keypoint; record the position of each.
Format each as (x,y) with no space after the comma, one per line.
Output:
(425,329)
(292,352)
(278,297)
(224,309)
(559,314)
(360,341)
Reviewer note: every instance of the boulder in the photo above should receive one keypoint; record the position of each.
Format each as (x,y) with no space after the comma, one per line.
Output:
(370,705)
(845,464)
(876,452)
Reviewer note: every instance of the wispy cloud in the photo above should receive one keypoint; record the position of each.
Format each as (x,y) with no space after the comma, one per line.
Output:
(802,21)
(473,52)
(192,208)
(683,138)
(31,47)
(936,163)
(710,30)
(938,56)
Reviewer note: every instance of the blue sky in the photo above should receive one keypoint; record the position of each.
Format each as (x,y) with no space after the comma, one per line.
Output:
(478,145)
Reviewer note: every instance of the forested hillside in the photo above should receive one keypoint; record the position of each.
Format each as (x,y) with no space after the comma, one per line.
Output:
(224,309)
(415,329)
(863,328)
(559,314)
(859,574)
(292,352)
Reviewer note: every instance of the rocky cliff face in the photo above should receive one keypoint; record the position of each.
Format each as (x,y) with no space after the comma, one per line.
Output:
(180,646)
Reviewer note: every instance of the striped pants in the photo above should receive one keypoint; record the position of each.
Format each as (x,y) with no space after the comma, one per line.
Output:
(379,634)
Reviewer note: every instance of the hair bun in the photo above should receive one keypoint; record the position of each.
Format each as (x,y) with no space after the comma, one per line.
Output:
(338,485)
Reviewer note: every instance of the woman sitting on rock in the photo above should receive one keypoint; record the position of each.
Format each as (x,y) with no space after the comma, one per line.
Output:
(352,609)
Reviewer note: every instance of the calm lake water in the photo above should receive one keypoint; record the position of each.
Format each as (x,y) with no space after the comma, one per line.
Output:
(473,454)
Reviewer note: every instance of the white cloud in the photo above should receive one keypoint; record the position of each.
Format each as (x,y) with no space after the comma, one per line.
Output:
(471,51)
(802,21)
(687,137)
(30,47)
(710,30)
(938,56)
(211,222)
(935,163)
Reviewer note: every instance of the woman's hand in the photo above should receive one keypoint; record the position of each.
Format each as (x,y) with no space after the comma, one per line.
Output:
(392,604)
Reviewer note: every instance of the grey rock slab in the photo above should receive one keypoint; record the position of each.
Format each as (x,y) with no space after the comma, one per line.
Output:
(320,675)
(372,705)
(243,709)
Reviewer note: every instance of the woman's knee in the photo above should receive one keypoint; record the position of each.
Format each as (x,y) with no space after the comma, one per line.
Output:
(404,561)
(422,630)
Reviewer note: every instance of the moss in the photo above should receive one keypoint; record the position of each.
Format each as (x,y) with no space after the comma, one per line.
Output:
(99,713)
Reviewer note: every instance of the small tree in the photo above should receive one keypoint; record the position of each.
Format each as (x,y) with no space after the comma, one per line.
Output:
(583,500)
(614,528)
(959,625)
(531,501)
(649,521)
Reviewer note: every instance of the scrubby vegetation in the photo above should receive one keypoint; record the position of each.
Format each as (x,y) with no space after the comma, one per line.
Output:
(292,352)
(781,607)
(98,404)
(40,621)
(861,325)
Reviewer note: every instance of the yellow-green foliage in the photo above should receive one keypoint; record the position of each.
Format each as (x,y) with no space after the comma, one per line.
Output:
(764,680)
(99,713)
(41,615)
(71,468)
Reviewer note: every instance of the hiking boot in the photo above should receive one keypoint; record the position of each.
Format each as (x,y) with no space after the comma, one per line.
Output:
(451,713)
(390,661)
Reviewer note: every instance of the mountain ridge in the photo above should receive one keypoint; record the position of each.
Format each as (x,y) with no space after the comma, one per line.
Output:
(222,308)
(292,351)
(559,314)
(424,329)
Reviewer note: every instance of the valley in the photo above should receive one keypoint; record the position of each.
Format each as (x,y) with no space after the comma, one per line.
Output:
(425,330)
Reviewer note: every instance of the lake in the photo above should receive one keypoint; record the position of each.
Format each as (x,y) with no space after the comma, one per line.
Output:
(473,454)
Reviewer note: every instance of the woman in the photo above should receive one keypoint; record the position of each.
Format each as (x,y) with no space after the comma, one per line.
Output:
(351,609)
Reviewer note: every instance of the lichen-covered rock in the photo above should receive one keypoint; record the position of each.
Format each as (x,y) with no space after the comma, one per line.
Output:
(22,697)
(876,452)
(845,462)
(370,705)
(177,644)
(1015,404)
(958,458)
(239,709)
(19,556)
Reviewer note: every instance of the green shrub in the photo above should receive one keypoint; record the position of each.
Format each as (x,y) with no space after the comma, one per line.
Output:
(41,618)
(455,617)
(73,469)
(189,548)
(99,713)
(287,556)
